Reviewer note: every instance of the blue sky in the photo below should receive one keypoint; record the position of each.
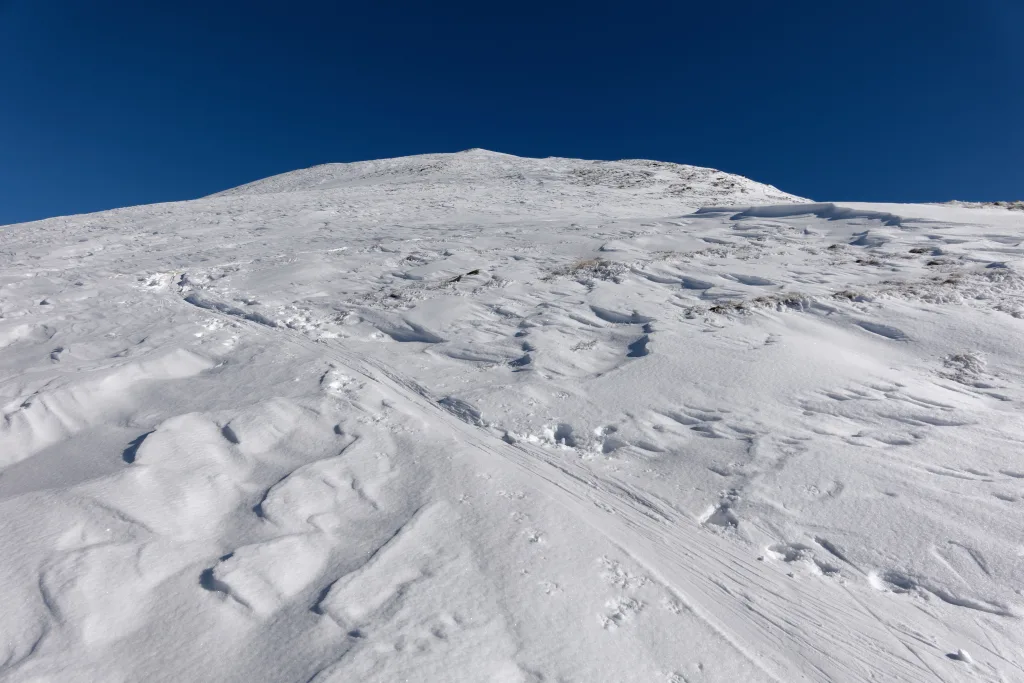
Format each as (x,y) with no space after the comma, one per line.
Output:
(109,103)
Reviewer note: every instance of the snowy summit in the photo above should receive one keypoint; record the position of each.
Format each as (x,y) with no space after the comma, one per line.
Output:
(474,417)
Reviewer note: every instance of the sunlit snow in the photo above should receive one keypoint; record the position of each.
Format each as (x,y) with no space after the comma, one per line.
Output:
(473,417)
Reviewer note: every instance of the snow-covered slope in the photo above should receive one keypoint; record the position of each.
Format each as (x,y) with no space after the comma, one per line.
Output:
(477,177)
(479,418)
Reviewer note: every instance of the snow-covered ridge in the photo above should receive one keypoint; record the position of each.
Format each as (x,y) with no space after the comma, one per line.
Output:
(1009,206)
(478,168)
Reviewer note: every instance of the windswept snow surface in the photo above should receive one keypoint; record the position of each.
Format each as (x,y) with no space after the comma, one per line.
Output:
(479,418)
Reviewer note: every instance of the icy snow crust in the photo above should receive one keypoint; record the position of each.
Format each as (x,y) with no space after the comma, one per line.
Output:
(479,418)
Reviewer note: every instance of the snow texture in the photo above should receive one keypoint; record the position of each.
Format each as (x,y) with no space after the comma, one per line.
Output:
(472,417)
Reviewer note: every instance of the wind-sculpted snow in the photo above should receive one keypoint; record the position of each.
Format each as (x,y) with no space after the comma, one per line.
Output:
(478,418)
(826,210)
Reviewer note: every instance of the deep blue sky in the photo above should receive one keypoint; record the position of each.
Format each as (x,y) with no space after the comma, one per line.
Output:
(111,103)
